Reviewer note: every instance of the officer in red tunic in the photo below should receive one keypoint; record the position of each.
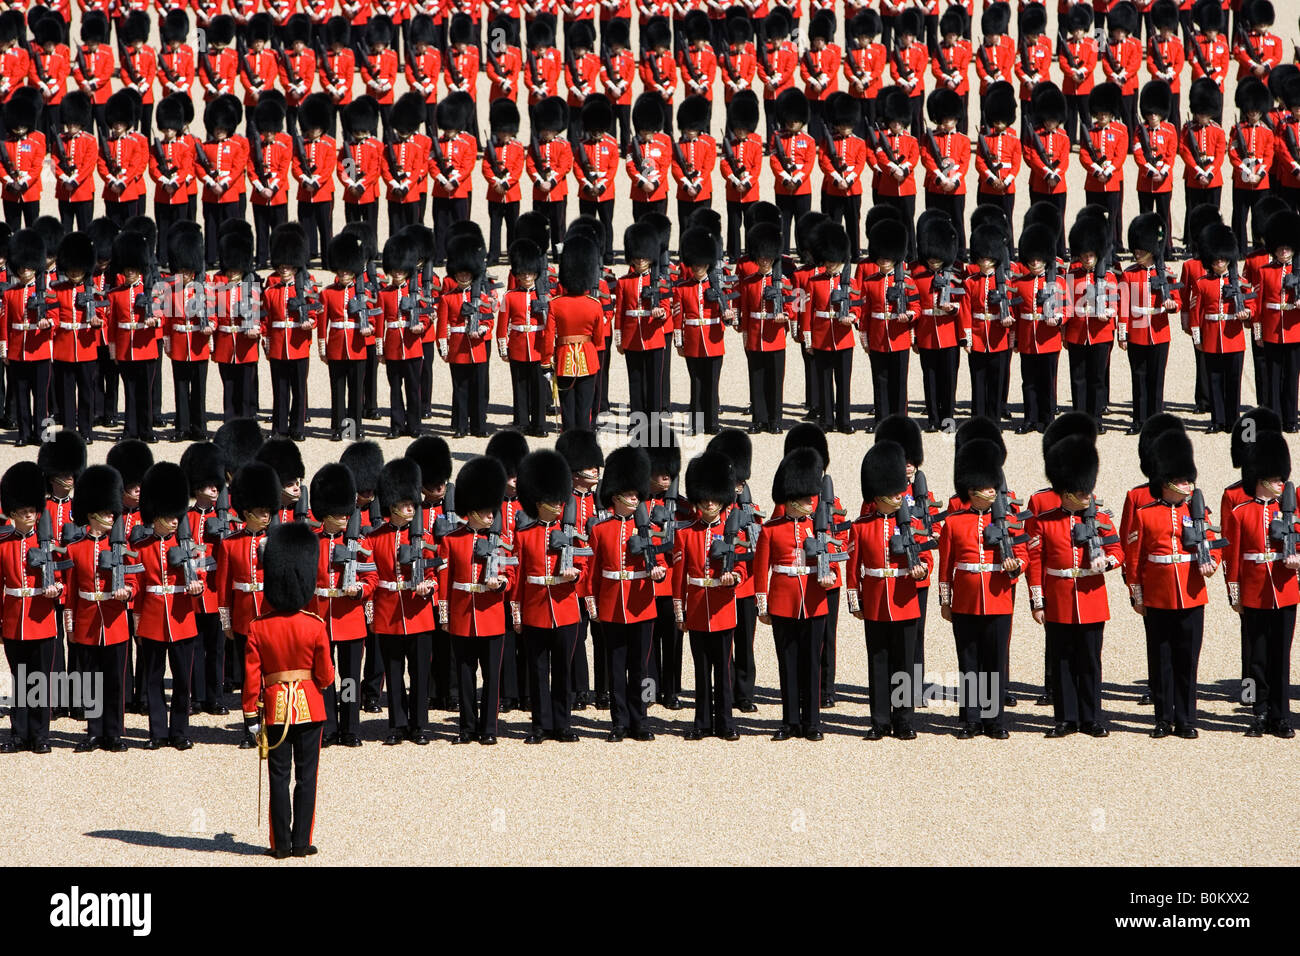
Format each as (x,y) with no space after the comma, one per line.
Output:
(405,599)
(169,598)
(977,587)
(885,568)
(474,582)
(544,604)
(618,587)
(288,665)
(574,338)
(1166,580)
(1071,547)
(29,612)
(345,581)
(239,577)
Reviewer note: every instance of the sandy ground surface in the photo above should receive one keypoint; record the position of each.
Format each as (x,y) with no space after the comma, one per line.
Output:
(1123,800)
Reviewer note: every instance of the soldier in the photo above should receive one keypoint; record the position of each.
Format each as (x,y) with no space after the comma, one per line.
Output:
(314,169)
(235,342)
(950,64)
(764,319)
(260,66)
(596,191)
(77,331)
(378,64)
(585,459)
(618,86)
(139,64)
(884,579)
(1256,50)
(549,161)
(742,175)
(1077,56)
(288,664)
(618,588)
(365,460)
(792,155)
(1040,312)
(464,327)
(130,330)
(908,63)
(291,306)
(205,477)
(75,174)
(165,609)
(977,588)
(269,178)
(25,145)
(1070,601)
(93,65)
(240,563)
(1218,317)
(843,160)
(434,458)
(778,64)
(1047,150)
(653,149)
(886,322)
(1166,575)
(1262,580)
(359,161)
(1155,171)
(937,329)
(703,318)
(27,347)
(474,581)
(1276,325)
(520,335)
(401,347)
(509,447)
(998,151)
(825,328)
(945,154)
(345,581)
(171,167)
(1143,322)
(541,72)
(123,159)
(1202,146)
(223,172)
(504,154)
(641,319)
(405,599)
(343,332)
(423,66)
(1250,151)
(336,61)
(578,322)
(218,64)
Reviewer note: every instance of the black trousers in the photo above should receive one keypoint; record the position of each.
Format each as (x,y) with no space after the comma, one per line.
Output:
(292,823)
(939,381)
(846,210)
(704,374)
(792,207)
(1114,203)
(1057,200)
(742,650)
(906,206)
(367,212)
(18,213)
(426,378)
(190,390)
(155,656)
(209,669)
(988,373)
(499,214)
(1159,202)
(409,655)
(557,214)
(954,205)
(265,219)
(645,373)
(711,651)
(31,725)
(1176,635)
(766,386)
(1193,198)
(164,214)
(1243,202)
(528,390)
(834,375)
(288,395)
(1006,202)
(1075,678)
(798,655)
(469,387)
(402,214)
(74,382)
(237,388)
(137,385)
(343,707)
(639,208)
(445,212)
(76,216)
(372,671)
(602,383)
(472,655)
(1078,118)
(1223,377)
(216,214)
(30,383)
(737,221)
(110,661)
(370,384)
(404,374)
(891,661)
(1038,385)
(889,383)
(627,648)
(1147,371)
(828,654)
(443,678)
(1283,361)
(665,668)
(550,655)
(317,219)
(982,659)
(1271,631)
(346,377)
(577,396)
(107,374)
(1090,371)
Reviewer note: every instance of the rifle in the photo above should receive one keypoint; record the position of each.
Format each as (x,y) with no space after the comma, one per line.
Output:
(124,55)
(760,53)
(415,305)
(205,67)
(1232,292)
(1160,285)
(563,538)
(657,290)
(170,75)
(196,309)
(1153,48)
(724,548)
(241,52)
(305,298)
(664,516)
(254,138)
(541,304)
(1087,534)
(218,525)
(390,154)
(359,309)
(817,547)
(323,57)
(638,157)
(729,156)
(841,298)
(1202,160)
(489,547)
(1196,534)
(921,499)
(81,64)
(10,169)
(88,301)
(188,556)
(814,71)
(1282,529)
(983,56)
(571,68)
(447,522)
(896,296)
(417,74)
(412,554)
(775,293)
(688,169)
(904,541)
(42,557)
(1199,55)
(1063,49)
(492,61)
(1103,45)
(299,147)
(1252,51)
(999,297)
(472,308)
(1026,61)
(159,155)
(1036,142)
(905,73)
(750,516)
(66,166)
(949,285)
(539,161)
(652,60)
(782,156)
(985,153)
(584,164)
(114,169)
(361,50)
(348,555)
(696,76)
(859,74)
(829,145)
(1144,140)
(728,63)
(114,560)
(33,52)
(641,544)
(205,161)
(439,157)
(720,288)
(945,64)
(998,534)
(1239,141)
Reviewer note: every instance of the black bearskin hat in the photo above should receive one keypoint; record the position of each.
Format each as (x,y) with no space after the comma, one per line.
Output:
(290,563)
(164,492)
(543,477)
(710,476)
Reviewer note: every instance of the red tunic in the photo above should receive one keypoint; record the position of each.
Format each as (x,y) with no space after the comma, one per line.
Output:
(239,580)
(25,613)
(703,603)
(880,583)
(466,607)
(398,609)
(163,611)
(1174,581)
(1256,573)
(620,583)
(279,644)
(539,597)
(344,617)
(1061,581)
(971,579)
(785,583)
(98,619)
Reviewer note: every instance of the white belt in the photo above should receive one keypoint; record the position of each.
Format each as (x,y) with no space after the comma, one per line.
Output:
(166,589)
(884,572)
(979,568)
(525,328)
(129,326)
(329,593)
(30,327)
(283,325)
(765,315)
(818,313)
(458,329)
(1217,317)
(704,582)
(22,592)
(93,596)
(471,587)
(702,322)
(548,580)
(1264,557)
(637,313)
(183,328)
(230,329)
(792,571)
(1279,306)
(397,585)
(881,315)
(1144,310)
(934,313)
(342,325)
(1169,558)
(248,587)
(394,325)
(78,326)
(624,575)
(1072,572)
